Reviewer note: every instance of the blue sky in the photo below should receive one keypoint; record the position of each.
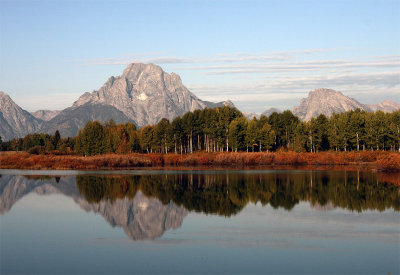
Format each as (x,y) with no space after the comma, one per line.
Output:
(259,54)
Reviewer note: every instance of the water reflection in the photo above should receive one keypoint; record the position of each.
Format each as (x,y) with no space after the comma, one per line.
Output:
(148,204)
(228,193)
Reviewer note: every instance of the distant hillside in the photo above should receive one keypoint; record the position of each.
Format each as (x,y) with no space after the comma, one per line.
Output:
(45,115)
(386,106)
(70,120)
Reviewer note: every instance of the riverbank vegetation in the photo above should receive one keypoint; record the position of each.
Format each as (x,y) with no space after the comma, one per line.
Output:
(380,160)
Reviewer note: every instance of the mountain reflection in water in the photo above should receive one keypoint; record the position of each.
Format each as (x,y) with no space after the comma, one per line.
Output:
(148,204)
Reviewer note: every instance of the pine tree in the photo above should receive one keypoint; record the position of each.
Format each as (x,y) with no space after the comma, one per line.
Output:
(237,134)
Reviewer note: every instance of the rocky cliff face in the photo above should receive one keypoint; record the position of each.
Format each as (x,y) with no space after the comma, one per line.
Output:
(145,94)
(386,106)
(14,121)
(327,102)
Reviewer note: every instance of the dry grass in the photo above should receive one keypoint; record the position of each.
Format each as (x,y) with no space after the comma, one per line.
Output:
(385,161)
(388,162)
(109,161)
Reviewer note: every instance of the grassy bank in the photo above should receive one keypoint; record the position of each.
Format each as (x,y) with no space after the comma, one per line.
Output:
(384,161)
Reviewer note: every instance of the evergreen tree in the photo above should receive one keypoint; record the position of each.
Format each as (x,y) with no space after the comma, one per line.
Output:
(237,134)
(146,137)
(92,139)
(252,135)
(267,137)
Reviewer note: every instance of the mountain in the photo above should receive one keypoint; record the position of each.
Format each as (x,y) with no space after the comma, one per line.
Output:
(327,102)
(210,104)
(250,115)
(45,115)
(14,121)
(386,106)
(145,94)
(70,120)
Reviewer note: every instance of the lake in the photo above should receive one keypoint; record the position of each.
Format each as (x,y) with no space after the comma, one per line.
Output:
(225,221)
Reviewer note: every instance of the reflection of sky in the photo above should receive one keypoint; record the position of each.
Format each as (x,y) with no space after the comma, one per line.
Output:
(52,233)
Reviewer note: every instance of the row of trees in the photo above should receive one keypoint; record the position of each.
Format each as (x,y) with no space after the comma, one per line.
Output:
(39,143)
(226,129)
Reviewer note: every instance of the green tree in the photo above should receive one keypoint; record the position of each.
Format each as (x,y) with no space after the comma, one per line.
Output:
(301,142)
(284,125)
(146,137)
(319,132)
(252,134)
(237,134)
(92,139)
(162,136)
(267,137)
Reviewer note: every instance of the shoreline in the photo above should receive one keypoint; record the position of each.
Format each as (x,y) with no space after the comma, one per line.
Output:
(365,160)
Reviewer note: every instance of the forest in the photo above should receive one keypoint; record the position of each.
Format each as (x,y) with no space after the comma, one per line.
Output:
(225,129)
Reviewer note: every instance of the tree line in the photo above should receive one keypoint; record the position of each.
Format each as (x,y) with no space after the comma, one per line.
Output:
(226,129)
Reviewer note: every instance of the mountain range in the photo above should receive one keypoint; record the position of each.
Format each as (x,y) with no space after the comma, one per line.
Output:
(144,94)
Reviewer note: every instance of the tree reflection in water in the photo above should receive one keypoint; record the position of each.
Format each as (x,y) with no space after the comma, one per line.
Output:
(228,193)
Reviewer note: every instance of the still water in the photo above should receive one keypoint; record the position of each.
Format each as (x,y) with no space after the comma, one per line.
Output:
(199,222)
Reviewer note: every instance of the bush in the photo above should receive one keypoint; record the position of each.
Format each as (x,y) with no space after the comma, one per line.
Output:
(37,150)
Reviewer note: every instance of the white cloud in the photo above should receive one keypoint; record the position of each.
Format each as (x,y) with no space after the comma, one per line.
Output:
(218,58)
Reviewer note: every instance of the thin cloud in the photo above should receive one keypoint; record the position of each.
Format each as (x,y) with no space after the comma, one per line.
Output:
(219,58)
(294,66)
(381,79)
